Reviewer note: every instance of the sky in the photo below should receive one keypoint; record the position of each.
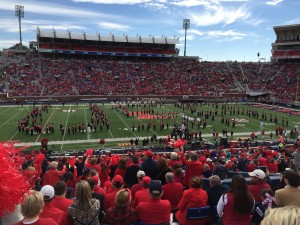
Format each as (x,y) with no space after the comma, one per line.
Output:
(220,30)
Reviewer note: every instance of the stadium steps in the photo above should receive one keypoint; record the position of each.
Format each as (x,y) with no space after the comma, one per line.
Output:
(237,83)
(261,67)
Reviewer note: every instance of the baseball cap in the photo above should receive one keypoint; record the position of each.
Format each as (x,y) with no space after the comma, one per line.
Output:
(140,173)
(95,179)
(258,173)
(118,181)
(148,153)
(208,160)
(48,192)
(155,187)
(146,180)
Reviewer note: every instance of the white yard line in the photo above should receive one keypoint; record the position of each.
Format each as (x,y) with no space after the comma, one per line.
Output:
(86,123)
(85,116)
(45,125)
(14,135)
(124,123)
(11,118)
(5,111)
(66,126)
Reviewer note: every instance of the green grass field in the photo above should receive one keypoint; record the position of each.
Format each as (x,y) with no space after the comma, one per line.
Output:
(121,127)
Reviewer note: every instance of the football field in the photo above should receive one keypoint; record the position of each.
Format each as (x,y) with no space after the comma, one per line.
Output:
(123,128)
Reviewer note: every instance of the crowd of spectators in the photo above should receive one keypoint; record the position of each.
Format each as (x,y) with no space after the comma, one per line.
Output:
(62,76)
(148,187)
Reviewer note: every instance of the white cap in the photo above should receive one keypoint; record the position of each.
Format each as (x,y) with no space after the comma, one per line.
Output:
(258,173)
(208,160)
(140,173)
(48,192)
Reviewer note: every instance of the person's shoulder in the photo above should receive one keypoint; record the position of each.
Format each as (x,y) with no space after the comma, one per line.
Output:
(280,191)
(48,221)
(165,202)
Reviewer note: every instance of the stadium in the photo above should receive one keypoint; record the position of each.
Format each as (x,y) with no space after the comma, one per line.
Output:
(101,108)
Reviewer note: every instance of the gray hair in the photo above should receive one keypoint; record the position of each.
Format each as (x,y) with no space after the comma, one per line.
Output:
(169,177)
(173,155)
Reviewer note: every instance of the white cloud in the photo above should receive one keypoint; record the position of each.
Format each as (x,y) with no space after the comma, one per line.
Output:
(113,26)
(46,8)
(62,27)
(11,25)
(255,21)
(197,32)
(190,3)
(230,33)
(192,31)
(273,2)
(228,39)
(10,43)
(122,2)
(220,15)
(156,6)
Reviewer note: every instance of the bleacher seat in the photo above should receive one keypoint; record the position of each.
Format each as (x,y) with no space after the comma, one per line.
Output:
(198,213)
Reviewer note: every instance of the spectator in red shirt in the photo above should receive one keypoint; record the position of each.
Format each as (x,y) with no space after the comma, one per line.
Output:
(194,197)
(142,195)
(50,211)
(31,208)
(193,168)
(121,169)
(91,163)
(104,174)
(172,191)
(53,175)
(258,184)
(60,201)
(251,166)
(117,184)
(139,186)
(122,213)
(272,166)
(155,211)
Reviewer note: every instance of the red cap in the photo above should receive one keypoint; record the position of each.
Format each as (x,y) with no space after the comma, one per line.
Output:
(119,179)
(95,179)
(148,153)
(146,180)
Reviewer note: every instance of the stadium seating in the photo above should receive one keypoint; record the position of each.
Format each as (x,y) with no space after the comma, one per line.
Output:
(61,76)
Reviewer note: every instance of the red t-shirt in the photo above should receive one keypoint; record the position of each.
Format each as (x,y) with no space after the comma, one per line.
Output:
(256,189)
(141,196)
(135,188)
(61,203)
(40,221)
(60,217)
(160,208)
(172,192)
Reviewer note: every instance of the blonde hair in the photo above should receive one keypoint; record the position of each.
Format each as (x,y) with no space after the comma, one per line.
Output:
(123,198)
(83,195)
(284,215)
(33,204)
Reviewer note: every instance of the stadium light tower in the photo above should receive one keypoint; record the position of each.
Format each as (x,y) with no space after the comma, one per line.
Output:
(186,25)
(19,12)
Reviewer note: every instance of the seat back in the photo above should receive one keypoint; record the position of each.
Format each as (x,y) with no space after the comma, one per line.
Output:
(198,213)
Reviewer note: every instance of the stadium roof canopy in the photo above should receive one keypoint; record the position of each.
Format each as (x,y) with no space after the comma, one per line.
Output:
(287,28)
(110,38)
